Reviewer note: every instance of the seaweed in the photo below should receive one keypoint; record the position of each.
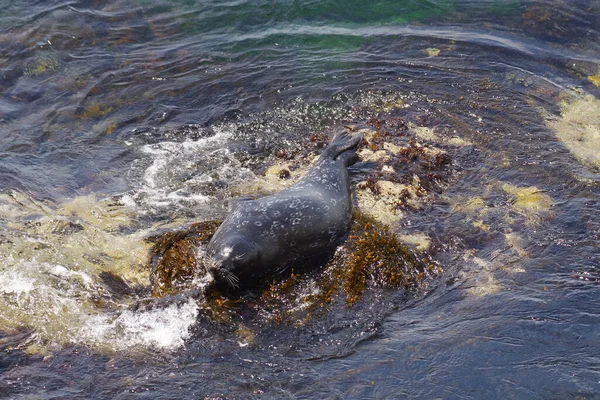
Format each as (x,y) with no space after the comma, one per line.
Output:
(173,257)
(372,256)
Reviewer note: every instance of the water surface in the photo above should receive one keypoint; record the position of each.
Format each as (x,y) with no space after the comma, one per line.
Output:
(123,119)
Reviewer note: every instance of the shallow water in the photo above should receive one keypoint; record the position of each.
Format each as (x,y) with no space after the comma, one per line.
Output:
(123,119)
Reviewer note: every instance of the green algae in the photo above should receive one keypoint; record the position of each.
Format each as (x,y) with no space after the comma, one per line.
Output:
(528,199)
(530,202)
(42,65)
(474,206)
(595,79)
(432,52)
(481,225)
(578,128)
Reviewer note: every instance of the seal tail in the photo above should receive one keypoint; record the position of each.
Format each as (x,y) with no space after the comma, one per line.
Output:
(345,145)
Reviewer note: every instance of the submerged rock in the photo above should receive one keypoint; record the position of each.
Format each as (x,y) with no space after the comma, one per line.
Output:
(578,128)
(406,173)
(42,65)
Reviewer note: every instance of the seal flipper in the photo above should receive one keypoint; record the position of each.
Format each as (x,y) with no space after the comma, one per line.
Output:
(348,157)
(343,143)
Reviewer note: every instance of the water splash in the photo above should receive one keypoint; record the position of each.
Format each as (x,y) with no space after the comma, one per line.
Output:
(183,175)
(166,328)
(51,277)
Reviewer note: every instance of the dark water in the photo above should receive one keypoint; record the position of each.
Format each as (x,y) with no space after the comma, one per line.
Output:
(123,118)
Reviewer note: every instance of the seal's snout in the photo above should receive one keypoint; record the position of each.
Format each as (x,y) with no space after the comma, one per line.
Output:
(221,273)
(232,259)
(212,266)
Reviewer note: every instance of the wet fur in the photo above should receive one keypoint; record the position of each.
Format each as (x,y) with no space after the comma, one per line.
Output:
(295,228)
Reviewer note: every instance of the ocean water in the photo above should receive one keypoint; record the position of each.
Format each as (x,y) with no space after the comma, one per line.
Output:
(122,120)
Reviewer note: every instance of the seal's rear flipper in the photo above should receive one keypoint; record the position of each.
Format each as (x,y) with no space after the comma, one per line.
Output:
(349,157)
(344,145)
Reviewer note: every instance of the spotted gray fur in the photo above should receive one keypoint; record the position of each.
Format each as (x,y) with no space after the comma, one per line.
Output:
(296,226)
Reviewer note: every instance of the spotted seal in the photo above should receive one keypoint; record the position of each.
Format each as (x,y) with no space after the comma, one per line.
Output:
(295,228)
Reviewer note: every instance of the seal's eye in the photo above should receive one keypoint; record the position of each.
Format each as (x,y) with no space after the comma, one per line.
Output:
(240,257)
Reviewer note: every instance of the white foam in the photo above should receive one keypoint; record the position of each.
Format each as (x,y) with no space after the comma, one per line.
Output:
(179,171)
(11,282)
(57,302)
(127,201)
(166,328)
(61,270)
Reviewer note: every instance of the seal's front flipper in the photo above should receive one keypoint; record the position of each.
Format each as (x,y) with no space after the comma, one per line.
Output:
(153,303)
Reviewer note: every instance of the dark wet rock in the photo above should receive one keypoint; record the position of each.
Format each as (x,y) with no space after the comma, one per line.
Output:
(284,174)
(117,285)
(13,353)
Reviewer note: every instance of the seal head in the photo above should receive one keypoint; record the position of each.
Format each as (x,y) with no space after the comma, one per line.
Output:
(235,258)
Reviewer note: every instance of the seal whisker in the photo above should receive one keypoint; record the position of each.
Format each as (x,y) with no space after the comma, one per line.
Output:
(230,277)
(234,281)
(281,269)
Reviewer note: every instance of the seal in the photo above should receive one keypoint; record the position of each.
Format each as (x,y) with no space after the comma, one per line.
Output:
(295,228)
